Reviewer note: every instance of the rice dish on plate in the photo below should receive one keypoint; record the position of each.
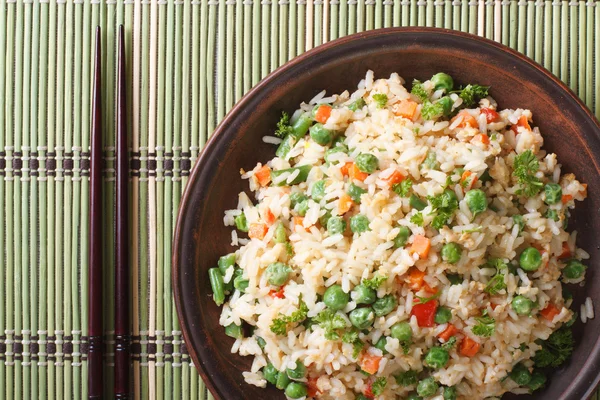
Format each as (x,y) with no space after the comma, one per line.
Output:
(403,244)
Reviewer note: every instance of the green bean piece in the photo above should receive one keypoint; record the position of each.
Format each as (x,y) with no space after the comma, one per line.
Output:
(476,201)
(451,252)
(280,235)
(320,134)
(401,331)
(285,146)
(413,396)
(296,390)
(301,177)
(402,237)
(318,191)
(416,202)
(552,214)
(297,197)
(530,259)
(301,208)
(553,193)
(538,381)
(355,192)
(362,318)
(335,298)
(447,104)
(359,223)
(297,373)
(407,378)
(522,305)
(358,104)
(261,342)
(363,295)
(234,331)
(442,81)
(385,305)
(427,387)
(301,125)
(216,283)
(381,343)
(443,315)
(573,270)
(449,393)
(437,357)
(336,225)
(240,283)
(367,163)
(241,223)
(270,373)
(282,381)
(520,374)
(225,262)
(278,273)
(324,219)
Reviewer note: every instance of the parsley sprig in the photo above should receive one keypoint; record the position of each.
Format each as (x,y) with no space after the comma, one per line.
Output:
(331,322)
(524,168)
(403,188)
(444,206)
(378,386)
(283,126)
(380,99)
(279,326)
(375,282)
(471,94)
(352,338)
(556,349)
(486,325)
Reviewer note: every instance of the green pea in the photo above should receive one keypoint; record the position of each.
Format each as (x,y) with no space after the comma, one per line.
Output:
(573,270)
(518,220)
(357,104)
(301,125)
(324,219)
(301,177)
(336,225)
(240,283)
(407,378)
(538,381)
(335,298)
(427,387)
(449,393)
(296,390)
(355,192)
(216,283)
(553,193)
(443,315)
(285,146)
(363,295)
(520,374)
(381,343)
(225,262)
(552,214)
(385,305)
(530,259)
(359,223)
(476,201)
(431,161)
(297,373)
(522,305)
(402,237)
(413,396)
(329,152)
(437,357)
(301,208)
(401,331)
(270,373)
(318,191)
(296,198)
(367,163)
(261,342)
(234,331)
(282,381)
(362,318)
(447,104)
(278,273)
(451,252)
(442,81)
(416,202)
(320,134)
(280,235)
(241,223)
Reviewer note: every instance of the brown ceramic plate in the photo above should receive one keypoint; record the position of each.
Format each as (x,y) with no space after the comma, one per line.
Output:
(568,127)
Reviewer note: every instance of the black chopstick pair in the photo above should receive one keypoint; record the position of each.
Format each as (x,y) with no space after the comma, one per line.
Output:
(95,306)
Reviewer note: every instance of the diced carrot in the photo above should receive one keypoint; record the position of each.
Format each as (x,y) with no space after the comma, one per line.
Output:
(257,231)
(370,363)
(490,115)
(493,305)
(345,204)
(421,245)
(269,217)
(263,175)
(277,294)
(485,139)
(566,198)
(323,113)
(550,312)
(467,120)
(468,347)
(311,386)
(346,168)
(448,333)
(406,109)
(356,173)
(429,289)
(415,278)
(395,178)
(566,251)
(522,123)
(468,180)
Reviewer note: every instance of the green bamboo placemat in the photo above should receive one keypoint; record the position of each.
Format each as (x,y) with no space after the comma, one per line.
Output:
(190,61)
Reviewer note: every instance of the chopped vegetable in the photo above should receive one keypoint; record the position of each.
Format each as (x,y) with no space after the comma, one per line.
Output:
(553,193)
(403,188)
(481,138)
(258,231)
(573,270)
(427,387)
(352,338)
(406,109)
(278,273)
(385,305)
(335,298)
(395,178)
(431,161)
(530,259)
(345,204)
(495,285)
(359,223)
(357,104)
(367,163)
(415,278)
(486,326)
(520,374)
(416,202)
(468,347)
(283,126)
(301,177)
(471,94)
(417,219)
(362,294)
(402,237)
(241,223)
(419,90)
(279,325)
(556,349)
(378,386)
(401,331)
(300,127)
(323,112)
(447,333)
(216,284)
(425,313)
(336,225)
(444,206)
(355,192)
(296,390)
(522,305)
(234,331)
(466,120)
(380,99)
(490,115)
(437,357)
(375,282)
(431,111)
(406,378)
(443,315)
(421,245)
(468,180)
(331,322)
(524,168)
(451,252)
(370,363)
(550,312)
(263,175)
(442,81)
(270,373)
(538,381)
(225,262)
(476,201)
(320,134)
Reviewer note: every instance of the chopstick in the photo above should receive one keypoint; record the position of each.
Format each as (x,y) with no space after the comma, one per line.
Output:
(95,331)
(122,334)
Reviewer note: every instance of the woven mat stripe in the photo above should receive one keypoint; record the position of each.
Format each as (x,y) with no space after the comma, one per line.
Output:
(190,62)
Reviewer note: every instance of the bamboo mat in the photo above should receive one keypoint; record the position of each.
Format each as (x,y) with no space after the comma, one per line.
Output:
(190,61)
